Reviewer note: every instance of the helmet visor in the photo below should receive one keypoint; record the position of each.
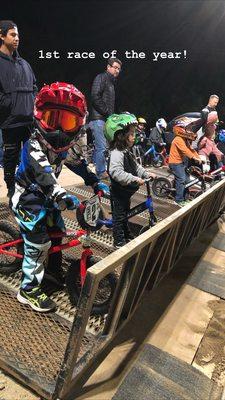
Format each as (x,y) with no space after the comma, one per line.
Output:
(55,118)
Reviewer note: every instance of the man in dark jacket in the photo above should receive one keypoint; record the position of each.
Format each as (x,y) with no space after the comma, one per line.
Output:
(103,105)
(17,92)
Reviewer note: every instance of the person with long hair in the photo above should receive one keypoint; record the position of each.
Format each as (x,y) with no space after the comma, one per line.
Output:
(126,175)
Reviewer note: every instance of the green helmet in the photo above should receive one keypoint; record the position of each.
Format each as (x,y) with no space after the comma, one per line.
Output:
(117,122)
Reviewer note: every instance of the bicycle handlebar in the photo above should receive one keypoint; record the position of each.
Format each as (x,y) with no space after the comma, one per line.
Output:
(150,179)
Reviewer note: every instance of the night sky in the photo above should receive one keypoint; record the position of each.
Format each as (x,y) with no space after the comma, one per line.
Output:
(153,89)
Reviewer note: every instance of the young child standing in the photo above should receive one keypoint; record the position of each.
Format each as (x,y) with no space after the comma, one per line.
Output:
(60,113)
(179,151)
(207,147)
(126,175)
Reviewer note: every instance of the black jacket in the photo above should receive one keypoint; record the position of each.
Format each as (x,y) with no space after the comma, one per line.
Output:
(155,136)
(103,96)
(38,170)
(17,91)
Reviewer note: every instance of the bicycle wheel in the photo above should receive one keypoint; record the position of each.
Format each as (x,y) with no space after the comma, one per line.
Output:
(8,233)
(161,187)
(105,290)
(195,193)
(158,161)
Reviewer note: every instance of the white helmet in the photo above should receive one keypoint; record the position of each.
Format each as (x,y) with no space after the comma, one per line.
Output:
(161,125)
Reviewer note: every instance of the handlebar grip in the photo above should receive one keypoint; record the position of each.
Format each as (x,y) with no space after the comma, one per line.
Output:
(150,179)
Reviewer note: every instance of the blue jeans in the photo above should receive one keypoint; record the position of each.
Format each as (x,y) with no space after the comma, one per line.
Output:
(180,180)
(97,128)
(1,148)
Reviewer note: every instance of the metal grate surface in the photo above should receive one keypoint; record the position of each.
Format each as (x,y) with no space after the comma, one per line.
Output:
(6,213)
(33,343)
(102,245)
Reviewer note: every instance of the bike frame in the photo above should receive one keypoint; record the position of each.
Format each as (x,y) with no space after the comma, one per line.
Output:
(201,179)
(165,156)
(145,205)
(55,249)
(155,154)
(152,151)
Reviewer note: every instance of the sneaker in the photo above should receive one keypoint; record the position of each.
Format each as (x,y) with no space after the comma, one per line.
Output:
(183,203)
(129,237)
(38,300)
(104,175)
(117,245)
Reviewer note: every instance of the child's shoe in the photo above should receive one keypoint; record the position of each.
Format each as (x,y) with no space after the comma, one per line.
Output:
(117,245)
(129,237)
(35,298)
(183,203)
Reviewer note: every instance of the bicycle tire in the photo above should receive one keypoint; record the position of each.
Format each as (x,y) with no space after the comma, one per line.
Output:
(158,162)
(105,290)
(195,194)
(8,233)
(161,186)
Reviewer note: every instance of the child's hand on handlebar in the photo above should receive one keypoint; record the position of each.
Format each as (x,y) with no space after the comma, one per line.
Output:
(68,201)
(140,181)
(101,187)
(150,178)
(198,160)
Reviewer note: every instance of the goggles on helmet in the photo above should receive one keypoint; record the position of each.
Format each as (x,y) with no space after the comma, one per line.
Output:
(65,120)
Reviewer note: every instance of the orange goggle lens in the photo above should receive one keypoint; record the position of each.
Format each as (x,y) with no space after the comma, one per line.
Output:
(66,120)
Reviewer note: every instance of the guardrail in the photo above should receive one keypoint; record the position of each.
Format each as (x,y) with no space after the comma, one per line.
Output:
(145,261)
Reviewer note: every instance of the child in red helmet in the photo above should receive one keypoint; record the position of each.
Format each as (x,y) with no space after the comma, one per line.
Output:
(60,113)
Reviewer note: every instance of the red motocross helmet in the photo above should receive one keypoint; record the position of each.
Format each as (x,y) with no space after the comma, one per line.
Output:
(60,111)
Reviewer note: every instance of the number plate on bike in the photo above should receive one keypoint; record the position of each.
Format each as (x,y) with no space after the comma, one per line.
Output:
(92,211)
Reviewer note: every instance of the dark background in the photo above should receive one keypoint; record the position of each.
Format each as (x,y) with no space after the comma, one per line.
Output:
(164,88)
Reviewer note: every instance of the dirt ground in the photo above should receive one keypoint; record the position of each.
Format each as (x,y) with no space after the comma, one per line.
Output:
(210,357)
(11,390)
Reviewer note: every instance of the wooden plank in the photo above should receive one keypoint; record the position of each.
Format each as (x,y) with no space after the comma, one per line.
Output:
(214,256)
(181,328)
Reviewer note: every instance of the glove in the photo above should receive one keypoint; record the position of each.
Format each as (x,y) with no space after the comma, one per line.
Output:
(68,201)
(102,187)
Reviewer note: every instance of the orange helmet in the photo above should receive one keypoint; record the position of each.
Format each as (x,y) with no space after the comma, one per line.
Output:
(184,130)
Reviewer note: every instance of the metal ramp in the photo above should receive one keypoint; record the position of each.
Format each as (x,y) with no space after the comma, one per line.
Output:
(33,345)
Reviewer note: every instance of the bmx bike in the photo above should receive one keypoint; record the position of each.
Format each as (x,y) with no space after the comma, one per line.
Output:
(164,187)
(91,220)
(155,158)
(11,256)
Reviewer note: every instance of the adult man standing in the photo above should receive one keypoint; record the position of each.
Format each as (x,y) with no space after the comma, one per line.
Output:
(211,106)
(103,105)
(212,103)
(17,92)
